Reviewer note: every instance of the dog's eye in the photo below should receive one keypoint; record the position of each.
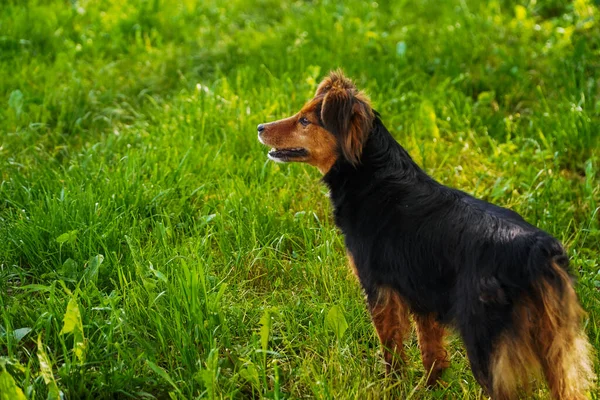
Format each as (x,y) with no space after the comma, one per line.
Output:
(304,121)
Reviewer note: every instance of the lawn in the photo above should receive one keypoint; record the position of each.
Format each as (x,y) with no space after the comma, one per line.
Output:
(148,249)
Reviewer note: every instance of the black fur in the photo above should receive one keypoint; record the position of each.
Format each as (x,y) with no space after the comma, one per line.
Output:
(446,253)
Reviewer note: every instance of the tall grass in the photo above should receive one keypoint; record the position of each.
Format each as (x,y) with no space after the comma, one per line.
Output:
(148,249)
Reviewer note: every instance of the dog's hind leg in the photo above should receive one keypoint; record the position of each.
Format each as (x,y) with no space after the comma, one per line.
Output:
(562,346)
(479,351)
(494,351)
(431,337)
(390,316)
(546,336)
(513,363)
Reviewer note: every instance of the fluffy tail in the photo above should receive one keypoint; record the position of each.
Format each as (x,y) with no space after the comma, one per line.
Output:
(548,337)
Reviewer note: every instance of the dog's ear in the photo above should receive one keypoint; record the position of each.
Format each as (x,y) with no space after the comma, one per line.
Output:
(346,113)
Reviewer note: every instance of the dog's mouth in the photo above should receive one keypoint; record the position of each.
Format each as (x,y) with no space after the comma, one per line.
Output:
(284,155)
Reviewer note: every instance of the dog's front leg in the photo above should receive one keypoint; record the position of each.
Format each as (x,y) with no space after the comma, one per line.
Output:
(390,316)
(431,337)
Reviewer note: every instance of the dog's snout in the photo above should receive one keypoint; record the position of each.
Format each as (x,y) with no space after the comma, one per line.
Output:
(260,128)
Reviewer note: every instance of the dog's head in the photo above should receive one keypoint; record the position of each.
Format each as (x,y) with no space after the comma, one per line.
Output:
(334,124)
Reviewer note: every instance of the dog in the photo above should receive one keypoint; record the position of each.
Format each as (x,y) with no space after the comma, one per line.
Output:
(449,259)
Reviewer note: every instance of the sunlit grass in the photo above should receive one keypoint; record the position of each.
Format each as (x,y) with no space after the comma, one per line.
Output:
(132,183)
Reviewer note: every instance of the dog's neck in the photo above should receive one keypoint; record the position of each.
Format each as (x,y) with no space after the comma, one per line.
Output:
(385,173)
(382,157)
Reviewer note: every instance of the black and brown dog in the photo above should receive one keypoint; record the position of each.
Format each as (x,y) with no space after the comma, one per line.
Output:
(437,253)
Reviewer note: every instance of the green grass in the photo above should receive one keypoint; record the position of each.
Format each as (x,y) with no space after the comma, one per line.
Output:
(134,190)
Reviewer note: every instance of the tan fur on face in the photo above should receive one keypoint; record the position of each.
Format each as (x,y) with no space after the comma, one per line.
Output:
(340,118)
(289,133)
(549,339)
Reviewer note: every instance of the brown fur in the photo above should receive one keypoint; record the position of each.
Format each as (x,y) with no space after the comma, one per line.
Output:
(549,339)
(338,108)
(391,319)
(288,133)
(346,113)
(432,344)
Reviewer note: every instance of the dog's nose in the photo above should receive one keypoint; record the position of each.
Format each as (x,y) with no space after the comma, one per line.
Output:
(260,128)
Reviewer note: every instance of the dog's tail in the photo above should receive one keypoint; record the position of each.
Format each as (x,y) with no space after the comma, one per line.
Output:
(548,337)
